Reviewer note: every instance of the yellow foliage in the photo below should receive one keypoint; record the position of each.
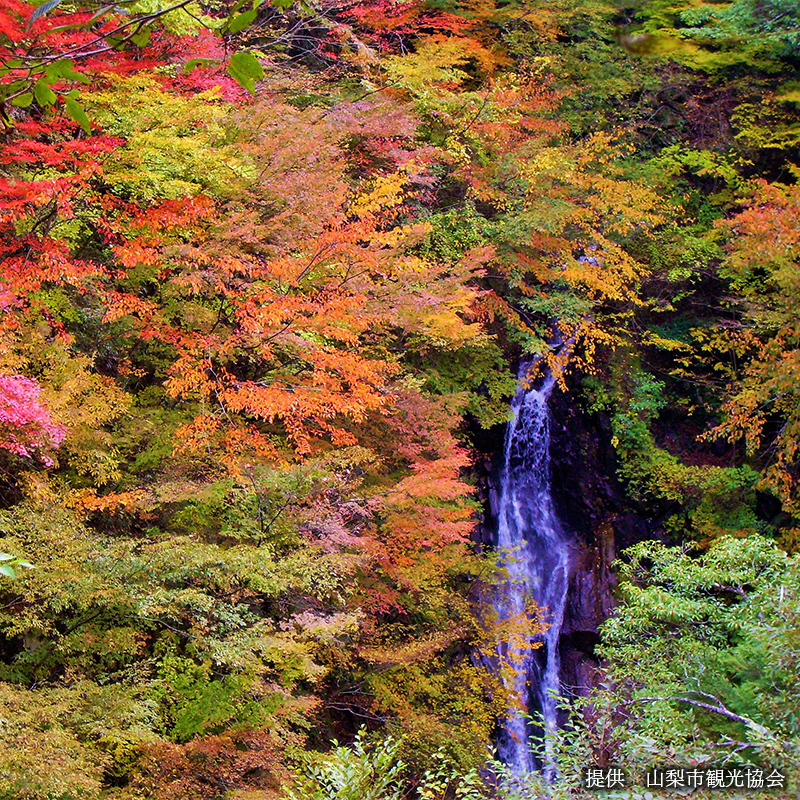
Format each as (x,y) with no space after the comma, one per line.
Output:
(32,737)
(386,192)
(176,144)
(436,68)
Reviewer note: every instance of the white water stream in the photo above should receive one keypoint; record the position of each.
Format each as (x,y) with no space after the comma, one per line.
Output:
(535,553)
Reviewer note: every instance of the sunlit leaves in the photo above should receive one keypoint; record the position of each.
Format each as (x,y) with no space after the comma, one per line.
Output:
(245,69)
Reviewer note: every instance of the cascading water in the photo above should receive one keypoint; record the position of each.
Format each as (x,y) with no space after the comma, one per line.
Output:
(535,554)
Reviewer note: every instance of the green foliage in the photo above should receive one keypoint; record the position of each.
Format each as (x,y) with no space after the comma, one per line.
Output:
(244,67)
(194,702)
(719,36)
(84,732)
(445,778)
(712,500)
(182,21)
(440,701)
(479,373)
(769,29)
(707,645)
(453,233)
(9,563)
(359,772)
(33,736)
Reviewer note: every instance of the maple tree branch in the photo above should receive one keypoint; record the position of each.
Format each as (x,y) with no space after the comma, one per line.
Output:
(360,47)
(316,257)
(348,277)
(139,22)
(219,315)
(728,742)
(350,710)
(50,212)
(161,622)
(474,118)
(266,529)
(16,600)
(275,335)
(359,98)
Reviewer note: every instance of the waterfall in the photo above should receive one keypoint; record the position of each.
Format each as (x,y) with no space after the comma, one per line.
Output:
(535,553)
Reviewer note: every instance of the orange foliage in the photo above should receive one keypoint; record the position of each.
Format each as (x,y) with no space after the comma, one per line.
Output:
(764,248)
(211,767)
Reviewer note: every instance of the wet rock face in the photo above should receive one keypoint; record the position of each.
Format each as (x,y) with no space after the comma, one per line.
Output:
(590,502)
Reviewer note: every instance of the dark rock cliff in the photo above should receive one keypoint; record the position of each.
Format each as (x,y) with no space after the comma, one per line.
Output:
(590,502)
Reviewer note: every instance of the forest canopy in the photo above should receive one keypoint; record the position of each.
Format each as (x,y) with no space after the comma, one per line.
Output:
(267,272)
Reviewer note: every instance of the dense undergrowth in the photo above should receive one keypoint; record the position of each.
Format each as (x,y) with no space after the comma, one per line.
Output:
(259,293)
